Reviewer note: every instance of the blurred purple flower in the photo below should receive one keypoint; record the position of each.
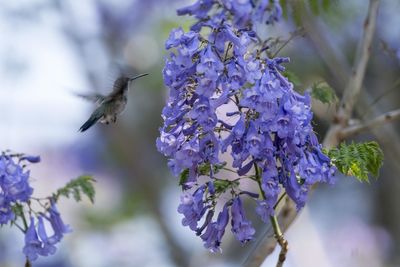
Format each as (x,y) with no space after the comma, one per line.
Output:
(192,207)
(241,227)
(57,223)
(215,231)
(33,246)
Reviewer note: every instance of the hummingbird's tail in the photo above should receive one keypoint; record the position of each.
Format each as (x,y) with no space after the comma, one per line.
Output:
(91,121)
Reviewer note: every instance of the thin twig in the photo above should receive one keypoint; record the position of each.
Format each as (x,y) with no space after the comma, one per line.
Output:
(292,36)
(354,85)
(280,199)
(281,241)
(385,93)
(375,122)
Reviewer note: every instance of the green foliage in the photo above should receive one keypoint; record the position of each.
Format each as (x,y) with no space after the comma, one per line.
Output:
(221,185)
(298,8)
(323,92)
(184,176)
(314,6)
(82,185)
(297,12)
(357,160)
(284,4)
(17,209)
(203,169)
(293,78)
(317,6)
(326,4)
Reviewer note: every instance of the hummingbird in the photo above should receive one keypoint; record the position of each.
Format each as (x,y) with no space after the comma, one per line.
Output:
(111,105)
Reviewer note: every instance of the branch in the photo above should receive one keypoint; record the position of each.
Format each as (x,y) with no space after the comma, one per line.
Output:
(288,214)
(354,85)
(281,241)
(268,242)
(375,122)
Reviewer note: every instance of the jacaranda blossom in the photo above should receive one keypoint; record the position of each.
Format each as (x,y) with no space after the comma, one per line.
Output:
(37,240)
(14,185)
(45,228)
(228,97)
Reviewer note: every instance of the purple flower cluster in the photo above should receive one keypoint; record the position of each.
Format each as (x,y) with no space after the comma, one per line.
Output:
(15,195)
(219,65)
(37,241)
(14,185)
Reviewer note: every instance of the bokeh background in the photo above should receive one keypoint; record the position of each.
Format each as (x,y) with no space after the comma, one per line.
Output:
(51,49)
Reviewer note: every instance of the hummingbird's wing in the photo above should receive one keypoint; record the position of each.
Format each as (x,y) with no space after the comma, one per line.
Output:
(96,115)
(95,98)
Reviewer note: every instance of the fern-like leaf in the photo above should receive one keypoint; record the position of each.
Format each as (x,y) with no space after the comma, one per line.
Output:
(82,185)
(358,160)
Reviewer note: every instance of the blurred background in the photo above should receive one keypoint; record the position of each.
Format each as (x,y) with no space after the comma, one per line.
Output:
(51,49)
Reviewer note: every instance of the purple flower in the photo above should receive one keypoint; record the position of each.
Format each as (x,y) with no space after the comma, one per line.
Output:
(241,9)
(271,189)
(210,64)
(192,207)
(48,247)
(33,246)
(13,180)
(6,213)
(235,137)
(57,223)
(187,156)
(203,114)
(198,9)
(215,231)
(14,186)
(253,70)
(206,85)
(236,75)
(209,149)
(187,43)
(31,159)
(241,227)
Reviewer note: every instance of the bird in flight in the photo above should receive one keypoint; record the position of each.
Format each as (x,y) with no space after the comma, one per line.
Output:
(111,105)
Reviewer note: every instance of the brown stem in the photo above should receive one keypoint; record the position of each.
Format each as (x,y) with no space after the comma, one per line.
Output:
(375,122)
(281,241)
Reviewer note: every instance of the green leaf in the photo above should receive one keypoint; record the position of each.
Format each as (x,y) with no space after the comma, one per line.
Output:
(323,92)
(17,209)
(357,160)
(183,176)
(82,185)
(297,12)
(314,5)
(292,77)
(221,185)
(203,169)
(326,4)
(283,4)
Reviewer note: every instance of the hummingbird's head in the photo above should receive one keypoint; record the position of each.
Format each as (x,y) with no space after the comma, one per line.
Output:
(123,82)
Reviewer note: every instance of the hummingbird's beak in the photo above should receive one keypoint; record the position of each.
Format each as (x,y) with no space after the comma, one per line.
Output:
(139,76)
